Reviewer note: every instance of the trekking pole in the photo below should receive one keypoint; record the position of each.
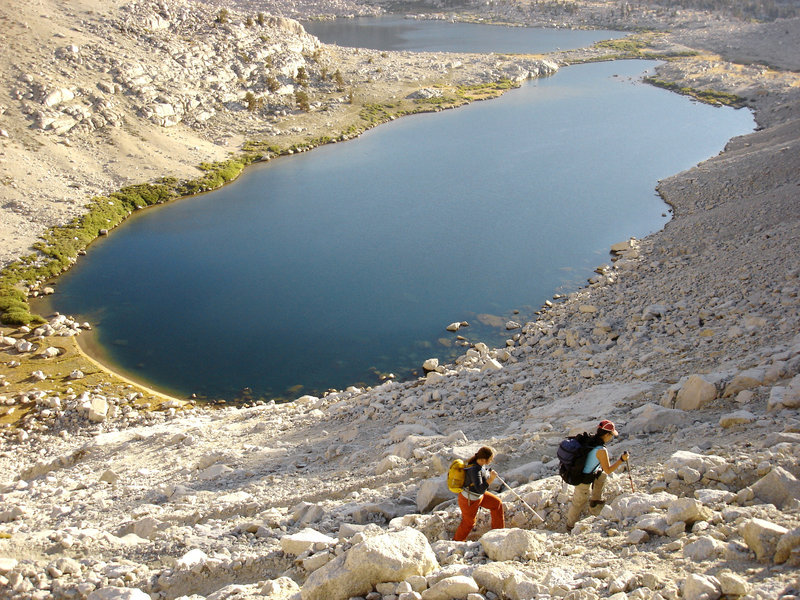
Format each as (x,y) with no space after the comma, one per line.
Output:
(630,477)
(528,506)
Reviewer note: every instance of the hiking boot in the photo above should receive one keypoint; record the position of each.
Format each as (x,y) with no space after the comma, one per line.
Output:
(595,506)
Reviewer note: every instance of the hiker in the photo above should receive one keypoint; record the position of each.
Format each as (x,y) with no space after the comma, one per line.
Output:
(477,478)
(596,470)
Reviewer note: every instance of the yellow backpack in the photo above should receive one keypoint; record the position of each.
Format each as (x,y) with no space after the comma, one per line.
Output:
(455,476)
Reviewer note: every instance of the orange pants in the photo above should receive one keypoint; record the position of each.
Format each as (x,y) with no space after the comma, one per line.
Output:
(469,512)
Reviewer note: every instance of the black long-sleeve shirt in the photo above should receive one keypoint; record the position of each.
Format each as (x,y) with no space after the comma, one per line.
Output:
(476,479)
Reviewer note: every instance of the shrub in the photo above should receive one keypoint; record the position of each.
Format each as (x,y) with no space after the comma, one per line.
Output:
(301,98)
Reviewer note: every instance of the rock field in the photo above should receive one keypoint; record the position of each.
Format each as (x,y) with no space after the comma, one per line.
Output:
(689,340)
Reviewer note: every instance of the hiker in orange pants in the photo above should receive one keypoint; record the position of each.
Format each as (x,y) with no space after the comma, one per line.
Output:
(477,478)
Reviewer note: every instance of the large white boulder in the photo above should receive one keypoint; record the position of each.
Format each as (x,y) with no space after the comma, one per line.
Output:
(762,537)
(701,587)
(7,564)
(788,548)
(631,506)
(58,96)
(392,556)
(281,588)
(695,393)
(512,544)
(703,548)
(193,561)
(781,397)
(652,417)
(449,588)
(297,543)
(777,487)
(432,492)
(688,510)
(98,409)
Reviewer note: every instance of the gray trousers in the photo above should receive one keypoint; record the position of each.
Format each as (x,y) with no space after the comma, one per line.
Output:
(581,496)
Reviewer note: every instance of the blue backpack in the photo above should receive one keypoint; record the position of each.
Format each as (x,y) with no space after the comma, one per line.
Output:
(571,454)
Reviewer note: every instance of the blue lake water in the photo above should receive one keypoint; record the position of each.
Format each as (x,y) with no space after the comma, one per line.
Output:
(325,269)
(398,33)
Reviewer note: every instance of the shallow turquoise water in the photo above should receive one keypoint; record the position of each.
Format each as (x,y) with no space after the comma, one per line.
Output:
(322,269)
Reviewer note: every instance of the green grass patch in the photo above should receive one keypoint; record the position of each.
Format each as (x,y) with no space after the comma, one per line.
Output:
(483,91)
(378,113)
(623,46)
(707,96)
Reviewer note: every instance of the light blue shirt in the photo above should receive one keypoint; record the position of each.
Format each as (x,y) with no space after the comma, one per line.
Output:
(592,462)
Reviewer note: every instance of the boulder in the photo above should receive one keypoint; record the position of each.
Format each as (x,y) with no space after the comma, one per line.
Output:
(701,587)
(788,545)
(699,462)
(193,561)
(23,346)
(433,492)
(449,588)
(781,397)
(57,97)
(297,543)
(388,463)
(213,472)
(652,523)
(147,527)
(631,506)
(98,410)
(739,417)
(621,247)
(512,544)
(745,380)
(733,584)
(431,364)
(703,548)
(762,537)
(504,580)
(306,512)
(392,556)
(7,564)
(651,418)
(687,510)
(695,393)
(777,487)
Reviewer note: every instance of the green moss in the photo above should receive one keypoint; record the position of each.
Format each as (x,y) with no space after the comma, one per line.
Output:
(708,96)
(377,113)
(624,45)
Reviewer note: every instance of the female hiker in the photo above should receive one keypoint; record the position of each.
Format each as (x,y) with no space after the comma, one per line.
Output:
(477,477)
(596,469)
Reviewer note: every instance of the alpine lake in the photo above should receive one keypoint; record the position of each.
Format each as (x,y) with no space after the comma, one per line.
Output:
(344,265)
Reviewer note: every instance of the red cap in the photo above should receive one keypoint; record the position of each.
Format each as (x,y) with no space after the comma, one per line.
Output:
(607,425)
